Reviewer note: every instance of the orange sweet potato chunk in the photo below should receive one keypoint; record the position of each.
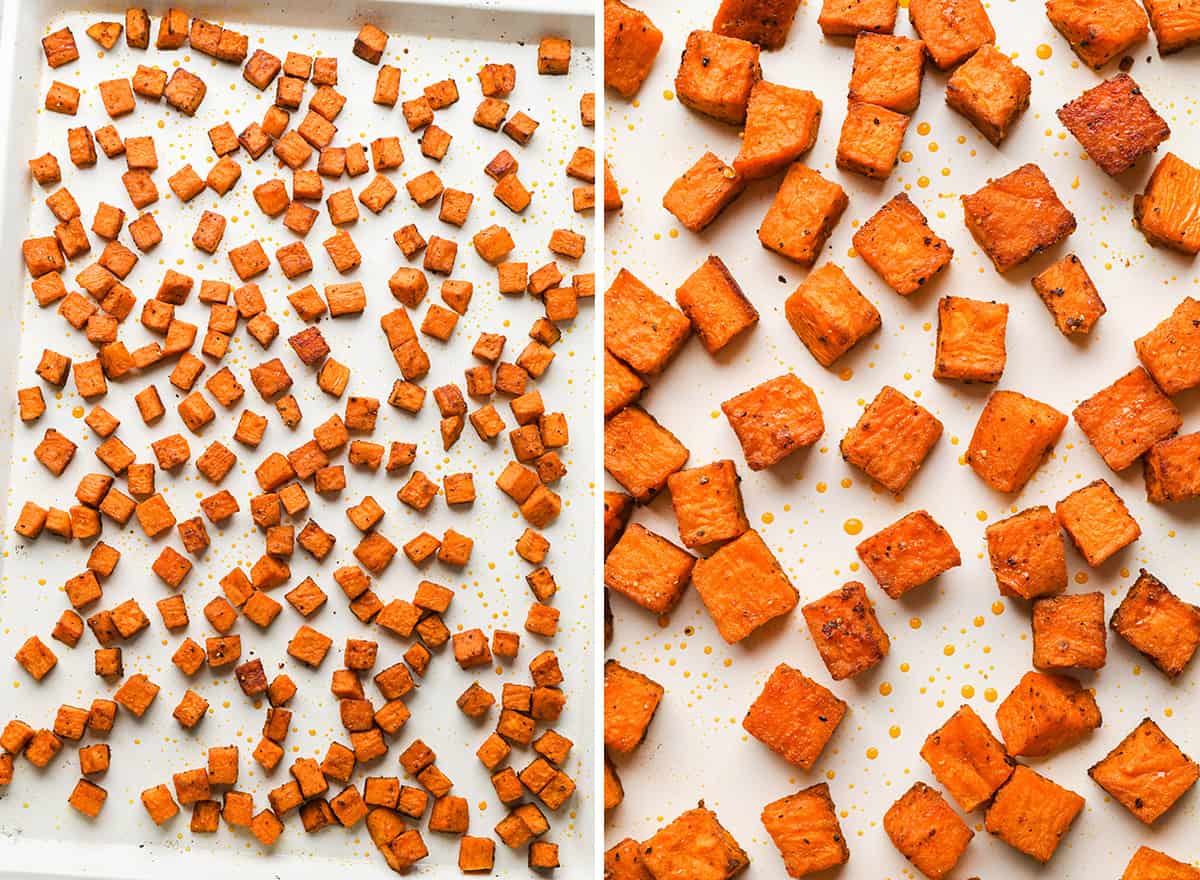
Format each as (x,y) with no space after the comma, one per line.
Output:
(887,71)
(716,74)
(1068,292)
(805,828)
(846,632)
(648,569)
(1098,521)
(899,245)
(1068,632)
(1168,212)
(891,439)
(640,327)
(1150,864)
(774,419)
(1125,419)
(622,386)
(870,140)
(640,453)
(802,215)
(695,845)
(952,29)
(1012,437)
(1046,713)
(781,126)
(1031,813)
(1027,554)
(708,503)
(631,43)
(1114,123)
(1158,624)
(1017,216)
(715,304)
(990,91)
(630,701)
(848,18)
(1098,30)
(1146,773)
(830,314)
(743,586)
(910,552)
(927,831)
(763,22)
(967,759)
(970,340)
(1171,351)
(1176,23)
(1172,469)
(794,716)
(701,193)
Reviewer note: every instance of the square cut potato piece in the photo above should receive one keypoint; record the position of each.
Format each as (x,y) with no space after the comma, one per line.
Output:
(794,716)
(1027,554)
(805,829)
(714,303)
(1115,123)
(1068,292)
(702,192)
(641,454)
(849,18)
(708,503)
(1125,419)
(1031,813)
(1172,469)
(1069,633)
(1017,216)
(630,701)
(899,245)
(781,126)
(802,215)
(1012,437)
(1158,624)
(716,74)
(990,92)
(967,759)
(1150,864)
(887,71)
(1046,713)
(910,552)
(743,586)
(1098,30)
(1098,521)
(970,340)
(1171,351)
(926,831)
(870,140)
(763,22)
(846,632)
(631,43)
(1175,22)
(830,314)
(952,29)
(622,386)
(624,861)
(891,439)
(640,327)
(774,419)
(648,569)
(1168,212)
(1146,773)
(695,845)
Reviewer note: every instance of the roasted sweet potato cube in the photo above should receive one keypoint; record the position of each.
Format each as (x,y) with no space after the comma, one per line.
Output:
(891,439)
(1016,216)
(848,18)
(1068,292)
(630,701)
(1146,773)
(716,75)
(927,831)
(553,56)
(36,658)
(967,759)
(1068,631)
(899,245)
(763,22)
(794,716)
(990,91)
(802,216)
(1158,624)
(774,419)
(707,504)
(648,569)
(1170,352)
(805,828)
(1170,469)
(781,126)
(640,453)
(640,327)
(829,314)
(1150,864)
(1167,211)
(887,71)
(1114,123)
(1027,554)
(970,339)
(1098,32)
(910,552)
(846,632)
(952,29)
(631,43)
(1046,713)
(870,139)
(743,586)
(1175,25)
(1098,522)
(715,304)
(1012,437)
(1031,813)
(1125,419)
(702,192)
(695,844)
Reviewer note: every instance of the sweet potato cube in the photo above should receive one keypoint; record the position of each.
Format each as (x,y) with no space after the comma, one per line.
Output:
(630,701)
(1027,554)
(1031,814)
(696,845)
(802,215)
(763,22)
(1068,292)
(805,828)
(715,304)
(899,245)
(160,804)
(1046,713)
(1175,25)
(743,586)
(990,91)
(1115,123)
(1167,212)
(910,552)
(970,339)
(829,314)
(794,716)
(1012,437)
(1068,631)
(1158,624)
(1170,469)
(1146,773)
(631,43)
(1098,32)
(640,453)
(887,71)
(1098,522)
(870,139)
(846,632)
(708,504)
(774,419)
(648,569)
(36,658)
(1016,216)
(891,439)
(1170,352)
(1125,419)
(1150,864)
(640,327)
(370,43)
(553,56)
(702,192)
(848,18)
(781,126)
(952,29)
(716,75)
(927,831)
(967,759)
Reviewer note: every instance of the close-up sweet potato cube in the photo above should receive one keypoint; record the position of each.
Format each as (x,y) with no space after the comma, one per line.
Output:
(781,126)
(846,632)
(802,215)
(716,75)
(970,340)
(743,586)
(702,192)
(830,314)
(765,23)
(887,71)
(908,553)
(899,245)
(1012,437)
(1098,521)
(1170,469)
(1068,292)
(967,759)
(1146,772)
(1174,23)
(1170,351)
(927,831)
(1016,216)
(708,503)
(774,419)
(1151,864)
(631,43)
(870,139)
(1128,417)
(1158,623)
(891,439)
(1027,554)
(648,569)
(1099,32)
(1046,713)
(695,844)
(1031,813)
(1168,212)
(640,327)
(715,304)
(805,829)
(1069,632)
(630,701)
(849,18)
(990,91)
(952,29)
(1115,123)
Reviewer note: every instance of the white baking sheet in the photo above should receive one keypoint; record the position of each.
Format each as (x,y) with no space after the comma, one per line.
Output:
(696,747)
(39,833)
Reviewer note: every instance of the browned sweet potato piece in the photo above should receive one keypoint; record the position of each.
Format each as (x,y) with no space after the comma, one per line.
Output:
(801,217)
(714,303)
(743,586)
(1115,123)
(806,831)
(1125,419)
(708,503)
(1068,632)
(630,701)
(631,43)
(846,632)
(1168,212)
(891,439)
(648,569)
(640,327)
(781,126)
(716,74)
(1012,437)
(848,18)
(618,507)
(1031,814)
(1098,521)
(694,845)
(763,22)
(970,339)
(967,759)
(1017,216)
(870,139)
(952,29)
(1176,24)
(774,419)
(887,71)
(1068,292)
(898,244)
(1098,30)
(1046,713)
(622,386)
(990,91)
(640,453)
(829,314)
(910,552)
(1172,469)
(927,831)
(1150,864)
(702,192)
(1171,351)
(1146,773)
(794,716)
(1158,623)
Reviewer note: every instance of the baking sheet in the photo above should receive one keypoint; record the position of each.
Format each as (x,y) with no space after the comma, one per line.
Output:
(956,640)
(39,833)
